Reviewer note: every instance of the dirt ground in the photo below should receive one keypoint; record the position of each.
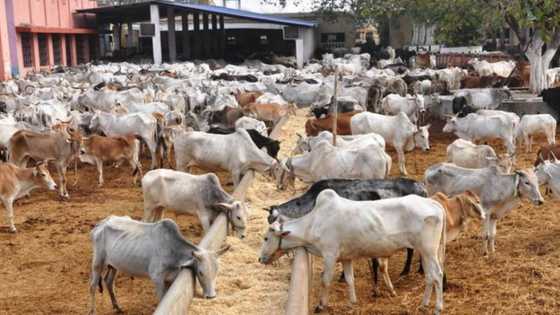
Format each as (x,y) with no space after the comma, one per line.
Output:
(45,266)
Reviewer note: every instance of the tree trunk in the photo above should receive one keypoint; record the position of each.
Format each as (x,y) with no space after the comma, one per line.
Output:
(540,63)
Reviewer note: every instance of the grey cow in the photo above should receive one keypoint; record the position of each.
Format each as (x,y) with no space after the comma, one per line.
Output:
(499,193)
(154,250)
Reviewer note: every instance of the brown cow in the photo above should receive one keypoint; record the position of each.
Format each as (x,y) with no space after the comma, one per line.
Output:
(246,98)
(99,149)
(269,112)
(547,152)
(16,182)
(61,145)
(475,81)
(314,126)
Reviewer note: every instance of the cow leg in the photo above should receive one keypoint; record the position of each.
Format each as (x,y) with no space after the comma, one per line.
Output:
(434,278)
(384,268)
(349,276)
(205,220)
(61,169)
(136,170)
(9,206)
(109,283)
(99,165)
(374,267)
(402,166)
(492,234)
(328,273)
(153,154)
(236,176)
(96,271)
(530,147)
(485,235)
(408,262)
(160,287)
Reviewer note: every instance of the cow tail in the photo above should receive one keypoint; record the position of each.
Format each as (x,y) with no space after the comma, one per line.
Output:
(136,154)
(160,142)
(388,166)
(443,241)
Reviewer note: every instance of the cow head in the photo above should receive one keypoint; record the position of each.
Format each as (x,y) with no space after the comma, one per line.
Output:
(205,265)
(284,174)
(41,176)
(420,103)
(422,138)
(527,186)
(471,205)
(543,173)
(237,215)
(451,124)
(271,248)
(302,145)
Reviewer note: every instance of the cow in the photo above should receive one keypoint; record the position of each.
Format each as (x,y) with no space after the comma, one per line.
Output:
(252,123)
(339,229)
(547,153)
(469,155)
(246,98)
(268,112)
(326,161)
(194,194)
(272,146)
(306,144)
(235,153)
(461,107)
(227,116)
(485,68)
(99,149)
(16,182)
(484,98)
(61,145)
(154,250)
(392,104)
(143,125)
(548,174)
(475,127)
(551,96)
(313,126)
(499,193)
(397,130)
(536,124)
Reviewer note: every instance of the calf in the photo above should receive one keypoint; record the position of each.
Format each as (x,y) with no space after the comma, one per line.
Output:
(154,250)
(535,124)
(246,98)
(392,104)
(194,194)
(16,182)
(272,146)
(99,149)
(469,155)
(339,229)
(461,107)
(548,174)
(314,126)
(268,112)
(547,152)
(307,144)
(499,193)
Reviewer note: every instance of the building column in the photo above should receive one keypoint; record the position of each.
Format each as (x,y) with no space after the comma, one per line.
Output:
(50,49)
(86,49)
(73,51)
(63,50)
(185,37)
(222,37)
(196,35)
(129,37)
(117,31)
(171,39)
(215,36)
(299,53)
(205,43)
(36,57)
(156,39)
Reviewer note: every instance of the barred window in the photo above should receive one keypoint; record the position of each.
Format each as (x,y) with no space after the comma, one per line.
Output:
(57,49)
(43,50)
(27,49)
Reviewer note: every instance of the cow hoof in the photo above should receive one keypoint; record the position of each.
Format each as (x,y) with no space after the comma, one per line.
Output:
(376,293)
(118,310)
(319,309)
(13,230)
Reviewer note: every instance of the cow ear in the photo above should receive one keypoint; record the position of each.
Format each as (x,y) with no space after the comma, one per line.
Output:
(222,206)
(189,263)
(222,250)
(35,170)
(284,233)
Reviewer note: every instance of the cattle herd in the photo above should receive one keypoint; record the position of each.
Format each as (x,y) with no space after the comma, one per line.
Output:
(219,117)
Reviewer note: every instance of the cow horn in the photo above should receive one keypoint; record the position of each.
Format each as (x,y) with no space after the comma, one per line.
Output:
(554,156)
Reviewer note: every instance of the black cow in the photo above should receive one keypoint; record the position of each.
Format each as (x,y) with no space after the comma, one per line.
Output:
(552,97)
(461,107)
(324,111)
(358,190)
(3,107)
(272,146)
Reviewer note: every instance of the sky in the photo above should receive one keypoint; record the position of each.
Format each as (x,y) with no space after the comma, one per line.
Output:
(257,6)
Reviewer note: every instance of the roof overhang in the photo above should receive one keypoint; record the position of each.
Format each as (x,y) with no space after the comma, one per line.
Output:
(140,12)
(53,30)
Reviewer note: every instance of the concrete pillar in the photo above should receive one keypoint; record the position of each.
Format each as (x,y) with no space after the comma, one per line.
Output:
(156,39)
(117,31)
(222,36)
(299,53)
(172,45)
(206,33)
(63,50)
(129,37)
(215,36)
(73,50)
(185,37)
(50,49)
(196,35)
(86,49)
(36,57)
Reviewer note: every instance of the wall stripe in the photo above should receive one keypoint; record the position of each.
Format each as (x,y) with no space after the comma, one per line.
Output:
(12,37)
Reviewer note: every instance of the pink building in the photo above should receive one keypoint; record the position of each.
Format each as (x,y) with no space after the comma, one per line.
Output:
(38,34)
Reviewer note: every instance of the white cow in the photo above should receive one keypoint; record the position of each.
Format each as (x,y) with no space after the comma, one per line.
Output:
(485,68)
(536,124)
(498,192)
(548,174)
(489,98)
(201,195)
(140,124)
(513,117)
(339,229)
(392,104)
(252,123)
(306,144)
(397,130)
(235,153)
(475,127)
(466,154)
(326,161)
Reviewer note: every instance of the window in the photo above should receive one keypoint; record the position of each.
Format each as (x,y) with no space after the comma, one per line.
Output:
(43,50)
(333,40)
(27,49)
(231,40)
(57,49)
(264,40)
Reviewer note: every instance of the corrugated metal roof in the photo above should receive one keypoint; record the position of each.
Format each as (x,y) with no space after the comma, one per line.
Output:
(248,15)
